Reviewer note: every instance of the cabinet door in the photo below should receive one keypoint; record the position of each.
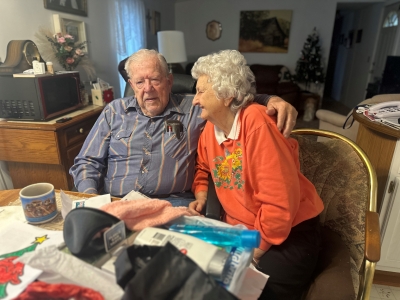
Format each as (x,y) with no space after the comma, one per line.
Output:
(390,232)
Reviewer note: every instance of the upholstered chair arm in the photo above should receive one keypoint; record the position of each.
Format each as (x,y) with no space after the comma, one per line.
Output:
(331,117)
(372,237)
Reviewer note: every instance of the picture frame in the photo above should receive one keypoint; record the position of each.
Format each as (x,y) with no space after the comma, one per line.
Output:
(265,31)
(74,7)
(155,22)
(213,30)
(73,27)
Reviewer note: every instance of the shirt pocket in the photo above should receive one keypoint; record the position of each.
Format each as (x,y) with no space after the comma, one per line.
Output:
(119,142)
(174,147)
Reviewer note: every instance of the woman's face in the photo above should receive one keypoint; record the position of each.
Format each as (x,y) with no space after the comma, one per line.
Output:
(212,108)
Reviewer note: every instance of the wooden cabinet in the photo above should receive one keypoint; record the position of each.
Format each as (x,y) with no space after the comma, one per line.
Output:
(44,151)
(382,145)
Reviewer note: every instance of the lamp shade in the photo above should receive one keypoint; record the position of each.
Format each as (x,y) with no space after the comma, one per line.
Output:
(171,44)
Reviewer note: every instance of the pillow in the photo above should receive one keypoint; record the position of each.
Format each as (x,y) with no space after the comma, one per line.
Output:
(333,279)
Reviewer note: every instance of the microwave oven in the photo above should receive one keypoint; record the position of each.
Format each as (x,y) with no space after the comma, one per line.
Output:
(41,97)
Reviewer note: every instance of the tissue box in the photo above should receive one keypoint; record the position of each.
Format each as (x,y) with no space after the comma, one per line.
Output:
(102,97)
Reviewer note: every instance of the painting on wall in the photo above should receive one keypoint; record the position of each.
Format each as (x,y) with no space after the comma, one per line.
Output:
(265,31)
(74,7)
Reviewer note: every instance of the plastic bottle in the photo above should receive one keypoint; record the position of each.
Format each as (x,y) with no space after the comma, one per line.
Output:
(49,66)
(221,236)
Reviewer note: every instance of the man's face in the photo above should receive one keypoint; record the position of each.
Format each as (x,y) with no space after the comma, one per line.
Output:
(151,86)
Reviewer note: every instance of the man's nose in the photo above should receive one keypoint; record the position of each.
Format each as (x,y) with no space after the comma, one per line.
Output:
(147,86)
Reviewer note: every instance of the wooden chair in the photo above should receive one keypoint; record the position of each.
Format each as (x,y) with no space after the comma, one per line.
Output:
(346,181)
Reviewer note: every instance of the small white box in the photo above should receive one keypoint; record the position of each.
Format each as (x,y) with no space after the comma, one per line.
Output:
(102,97)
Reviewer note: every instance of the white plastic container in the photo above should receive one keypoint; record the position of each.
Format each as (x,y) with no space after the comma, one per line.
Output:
(208,257)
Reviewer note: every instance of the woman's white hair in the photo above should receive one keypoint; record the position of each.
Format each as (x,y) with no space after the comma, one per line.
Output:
(144,54)
(230,76)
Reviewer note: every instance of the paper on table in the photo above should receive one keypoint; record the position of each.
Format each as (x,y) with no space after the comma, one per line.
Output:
(95,202)
(134,195)
(16,239)
(10,214)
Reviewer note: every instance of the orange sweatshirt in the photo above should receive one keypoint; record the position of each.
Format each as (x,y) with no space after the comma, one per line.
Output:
(257,176)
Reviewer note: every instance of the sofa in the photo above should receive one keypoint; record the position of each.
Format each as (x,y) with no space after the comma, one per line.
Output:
(329,120)
(276,80)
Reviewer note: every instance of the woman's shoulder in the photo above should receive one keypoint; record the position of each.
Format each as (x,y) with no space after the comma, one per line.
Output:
(258,112)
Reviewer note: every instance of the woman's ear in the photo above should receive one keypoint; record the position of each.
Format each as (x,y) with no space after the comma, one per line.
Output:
(228,101)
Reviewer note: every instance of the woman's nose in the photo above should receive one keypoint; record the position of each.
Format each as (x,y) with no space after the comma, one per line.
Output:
(195,100)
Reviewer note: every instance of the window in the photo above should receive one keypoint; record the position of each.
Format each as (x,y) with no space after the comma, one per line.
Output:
(391,20)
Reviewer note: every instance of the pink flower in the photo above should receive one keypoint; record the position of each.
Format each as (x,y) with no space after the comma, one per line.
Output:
(61,40)
(67,48)
(67,36)
(70,60)
(79,52)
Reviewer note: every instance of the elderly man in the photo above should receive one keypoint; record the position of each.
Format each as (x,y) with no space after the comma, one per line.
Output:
(148,142)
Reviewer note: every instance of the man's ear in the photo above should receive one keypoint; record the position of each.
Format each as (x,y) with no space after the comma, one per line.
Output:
(170,78)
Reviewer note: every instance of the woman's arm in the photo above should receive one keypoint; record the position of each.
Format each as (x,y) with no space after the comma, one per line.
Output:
(200,182)
(273,178)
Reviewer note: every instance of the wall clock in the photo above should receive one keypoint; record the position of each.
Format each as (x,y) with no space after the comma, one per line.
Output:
(19,57)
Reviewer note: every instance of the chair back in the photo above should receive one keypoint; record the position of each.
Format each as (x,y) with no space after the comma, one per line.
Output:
(183,84)
(346,182)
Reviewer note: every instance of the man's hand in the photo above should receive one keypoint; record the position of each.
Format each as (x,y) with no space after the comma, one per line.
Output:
(286,114)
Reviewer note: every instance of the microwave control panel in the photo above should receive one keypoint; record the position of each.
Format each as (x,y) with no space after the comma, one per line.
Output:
(19,98)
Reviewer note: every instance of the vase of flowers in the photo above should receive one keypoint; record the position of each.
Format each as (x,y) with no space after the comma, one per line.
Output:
(67,52)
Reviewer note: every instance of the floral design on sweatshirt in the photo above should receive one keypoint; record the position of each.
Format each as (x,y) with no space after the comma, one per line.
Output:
(228,169)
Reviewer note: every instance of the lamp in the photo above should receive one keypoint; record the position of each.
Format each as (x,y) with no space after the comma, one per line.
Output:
(171,44)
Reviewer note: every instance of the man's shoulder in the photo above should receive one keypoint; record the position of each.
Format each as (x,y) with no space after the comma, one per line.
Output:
(121,104)
(184,101)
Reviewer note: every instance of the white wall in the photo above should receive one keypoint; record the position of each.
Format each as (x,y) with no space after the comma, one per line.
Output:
(192,16)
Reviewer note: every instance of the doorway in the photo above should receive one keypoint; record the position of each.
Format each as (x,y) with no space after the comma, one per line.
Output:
(351,55)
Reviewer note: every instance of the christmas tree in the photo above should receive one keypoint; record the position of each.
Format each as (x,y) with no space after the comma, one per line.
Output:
(309,67)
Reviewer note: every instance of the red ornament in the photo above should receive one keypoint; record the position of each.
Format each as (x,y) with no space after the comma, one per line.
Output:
(108,95)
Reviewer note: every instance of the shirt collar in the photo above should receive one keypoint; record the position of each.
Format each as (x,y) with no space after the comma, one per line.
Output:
(172,106)
(233,134)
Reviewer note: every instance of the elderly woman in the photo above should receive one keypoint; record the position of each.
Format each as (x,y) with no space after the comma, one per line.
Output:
(256,173)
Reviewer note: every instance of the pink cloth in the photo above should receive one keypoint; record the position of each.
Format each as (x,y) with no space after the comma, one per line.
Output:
(142,213)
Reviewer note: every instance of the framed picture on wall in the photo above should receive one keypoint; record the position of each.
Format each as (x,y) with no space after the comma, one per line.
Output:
(72,27)
(265,31)
(74,7)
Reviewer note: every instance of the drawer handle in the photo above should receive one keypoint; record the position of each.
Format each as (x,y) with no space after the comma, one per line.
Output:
(80,130)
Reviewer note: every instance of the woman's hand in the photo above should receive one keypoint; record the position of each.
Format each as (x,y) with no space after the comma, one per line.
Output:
(258,253)
(197,206)
(286,114)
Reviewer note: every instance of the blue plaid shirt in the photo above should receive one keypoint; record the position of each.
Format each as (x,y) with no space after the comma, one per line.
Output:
(126,150)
